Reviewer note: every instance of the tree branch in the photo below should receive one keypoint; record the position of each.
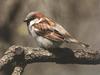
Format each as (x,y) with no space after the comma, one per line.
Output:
(20,56)
(17,70)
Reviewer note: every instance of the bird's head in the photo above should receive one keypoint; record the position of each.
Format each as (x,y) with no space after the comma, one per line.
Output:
(33,16)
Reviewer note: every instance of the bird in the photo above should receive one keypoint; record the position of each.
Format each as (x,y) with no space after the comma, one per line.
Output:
(47,32)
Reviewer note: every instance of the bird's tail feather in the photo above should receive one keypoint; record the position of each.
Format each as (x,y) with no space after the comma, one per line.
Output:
(84,45)
(72,40)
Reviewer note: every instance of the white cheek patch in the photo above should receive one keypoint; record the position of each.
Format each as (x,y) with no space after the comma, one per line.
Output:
(35,21)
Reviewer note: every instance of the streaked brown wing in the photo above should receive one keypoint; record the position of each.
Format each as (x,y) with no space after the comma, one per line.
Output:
(45,24)
(46,30)
(42,26)
(54,36)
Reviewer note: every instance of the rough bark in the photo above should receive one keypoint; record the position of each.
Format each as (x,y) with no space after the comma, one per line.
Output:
(20,56)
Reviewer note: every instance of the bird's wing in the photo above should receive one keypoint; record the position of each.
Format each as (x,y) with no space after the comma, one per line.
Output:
(65,33)
(61,30)
(46,29)
(68,37)
(53,31)
(54,36)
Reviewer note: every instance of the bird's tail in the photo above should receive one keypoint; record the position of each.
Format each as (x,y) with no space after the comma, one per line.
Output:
(72,40)
(84,45)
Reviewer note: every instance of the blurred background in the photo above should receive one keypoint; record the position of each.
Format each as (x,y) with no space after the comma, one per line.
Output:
(80,17)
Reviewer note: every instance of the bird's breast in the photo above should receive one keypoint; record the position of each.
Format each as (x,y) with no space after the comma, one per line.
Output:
(43,42)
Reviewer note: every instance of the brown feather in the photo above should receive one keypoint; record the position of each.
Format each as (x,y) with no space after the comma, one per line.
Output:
(46,30)
(54,36)
(43,25)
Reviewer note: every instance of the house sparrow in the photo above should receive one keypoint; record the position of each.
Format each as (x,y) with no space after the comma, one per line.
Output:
(47,32)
